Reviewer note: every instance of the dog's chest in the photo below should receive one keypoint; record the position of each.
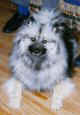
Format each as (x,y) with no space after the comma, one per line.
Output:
(36,80)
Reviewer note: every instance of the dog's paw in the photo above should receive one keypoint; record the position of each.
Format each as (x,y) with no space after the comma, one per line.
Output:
(14,104)
(13,90)
(56,105)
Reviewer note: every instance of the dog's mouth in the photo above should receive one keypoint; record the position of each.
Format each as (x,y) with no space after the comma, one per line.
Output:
(37,62)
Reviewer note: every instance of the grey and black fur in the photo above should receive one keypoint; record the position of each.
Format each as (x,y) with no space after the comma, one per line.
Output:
(43,55)
(70,45)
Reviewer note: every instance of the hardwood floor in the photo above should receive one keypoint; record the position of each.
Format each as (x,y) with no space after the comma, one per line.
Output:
(32,103)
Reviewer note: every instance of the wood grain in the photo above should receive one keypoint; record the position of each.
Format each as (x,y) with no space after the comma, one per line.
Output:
(33,103)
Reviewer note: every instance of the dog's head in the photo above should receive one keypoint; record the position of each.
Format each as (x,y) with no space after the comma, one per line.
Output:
(39,41)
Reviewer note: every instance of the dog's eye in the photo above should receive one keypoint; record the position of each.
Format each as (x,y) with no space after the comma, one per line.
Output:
(33,39)
(44,41)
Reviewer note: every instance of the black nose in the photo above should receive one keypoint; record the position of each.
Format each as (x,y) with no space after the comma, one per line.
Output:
(37,49)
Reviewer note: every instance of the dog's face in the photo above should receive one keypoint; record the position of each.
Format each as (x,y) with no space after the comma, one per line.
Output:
(40,44)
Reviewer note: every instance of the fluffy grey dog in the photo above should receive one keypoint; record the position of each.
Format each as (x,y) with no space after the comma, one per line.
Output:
(43,55)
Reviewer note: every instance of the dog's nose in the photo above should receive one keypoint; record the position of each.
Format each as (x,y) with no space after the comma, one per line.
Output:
(37,49)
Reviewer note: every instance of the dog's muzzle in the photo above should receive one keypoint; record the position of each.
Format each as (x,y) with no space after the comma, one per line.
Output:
(37,49)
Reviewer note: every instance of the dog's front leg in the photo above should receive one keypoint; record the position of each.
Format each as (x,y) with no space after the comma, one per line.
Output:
(60,92)
(13,89)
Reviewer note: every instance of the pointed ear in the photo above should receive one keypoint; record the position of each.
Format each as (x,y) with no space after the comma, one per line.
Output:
(61,27)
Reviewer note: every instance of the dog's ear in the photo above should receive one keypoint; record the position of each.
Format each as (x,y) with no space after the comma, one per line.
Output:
(60,26)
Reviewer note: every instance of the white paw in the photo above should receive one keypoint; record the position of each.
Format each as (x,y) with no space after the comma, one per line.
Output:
(13,89)
(56,105)
(14,104)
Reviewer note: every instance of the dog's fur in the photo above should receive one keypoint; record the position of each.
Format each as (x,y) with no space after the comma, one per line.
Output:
(43,55)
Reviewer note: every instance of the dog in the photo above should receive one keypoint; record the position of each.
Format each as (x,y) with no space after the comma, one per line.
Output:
(42,58)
